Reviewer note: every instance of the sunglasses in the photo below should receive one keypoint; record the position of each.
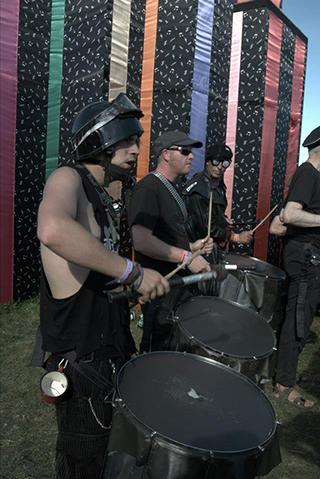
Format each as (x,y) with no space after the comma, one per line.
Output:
(184,150)
(215,162)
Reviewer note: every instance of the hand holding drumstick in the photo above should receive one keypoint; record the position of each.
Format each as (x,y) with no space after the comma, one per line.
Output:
(201,246)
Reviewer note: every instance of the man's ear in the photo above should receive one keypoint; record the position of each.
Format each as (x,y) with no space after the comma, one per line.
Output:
(165,155)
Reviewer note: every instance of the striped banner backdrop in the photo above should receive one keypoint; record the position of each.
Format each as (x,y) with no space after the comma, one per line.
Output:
(172,58)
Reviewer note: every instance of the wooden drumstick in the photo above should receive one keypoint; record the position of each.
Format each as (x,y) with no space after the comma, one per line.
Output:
(264,219)
(196,253)
(209,219)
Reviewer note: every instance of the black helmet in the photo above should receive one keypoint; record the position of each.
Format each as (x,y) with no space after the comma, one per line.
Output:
(101,125)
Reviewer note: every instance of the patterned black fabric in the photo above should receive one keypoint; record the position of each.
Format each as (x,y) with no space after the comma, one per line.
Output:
(250,118)
(32,98)
(219,72)
(282,133)
(173,71)
(86,63)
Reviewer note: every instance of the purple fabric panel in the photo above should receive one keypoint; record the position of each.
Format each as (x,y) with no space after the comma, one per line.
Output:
(9,25)
(201,74)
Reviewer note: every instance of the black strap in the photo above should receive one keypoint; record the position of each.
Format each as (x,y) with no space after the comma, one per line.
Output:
(38,353)
(88,372)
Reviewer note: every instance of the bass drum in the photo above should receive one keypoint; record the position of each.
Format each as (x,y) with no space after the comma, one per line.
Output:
(227,332)
(184,416)
(260,292)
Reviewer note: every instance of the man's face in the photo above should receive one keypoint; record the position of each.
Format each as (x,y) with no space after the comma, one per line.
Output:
(126,152)
(180,159)
(215,171)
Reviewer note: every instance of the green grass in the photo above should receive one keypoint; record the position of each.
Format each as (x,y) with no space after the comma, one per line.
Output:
(28,425)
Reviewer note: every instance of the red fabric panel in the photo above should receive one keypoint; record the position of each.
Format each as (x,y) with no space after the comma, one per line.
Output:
(9,25)
(276,2)
(268,133)
(296,109)
(233,97)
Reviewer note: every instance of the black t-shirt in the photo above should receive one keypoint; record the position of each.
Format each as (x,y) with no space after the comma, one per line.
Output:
(305,189)
(154,207)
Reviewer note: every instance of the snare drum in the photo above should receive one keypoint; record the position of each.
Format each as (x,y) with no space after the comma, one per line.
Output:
(257,291)
(227,332)
(184,416)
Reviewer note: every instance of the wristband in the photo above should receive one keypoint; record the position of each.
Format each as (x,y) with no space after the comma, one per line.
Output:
(125,275)
(185,256)
(236,238)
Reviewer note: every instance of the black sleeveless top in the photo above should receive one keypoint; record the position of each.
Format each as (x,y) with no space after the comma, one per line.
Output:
(87,321)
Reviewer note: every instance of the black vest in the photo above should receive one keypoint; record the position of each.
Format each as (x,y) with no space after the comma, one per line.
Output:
(86,321)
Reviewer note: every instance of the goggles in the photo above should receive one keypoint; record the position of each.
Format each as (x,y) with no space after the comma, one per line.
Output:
(225,163)
(184,150)
(121,107)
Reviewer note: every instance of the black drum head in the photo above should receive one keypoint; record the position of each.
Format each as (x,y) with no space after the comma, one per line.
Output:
(226,327)
(242,260)
(196,402)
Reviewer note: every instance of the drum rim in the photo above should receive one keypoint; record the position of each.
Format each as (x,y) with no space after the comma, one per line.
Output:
(220,365)
(258,316)
(260,261)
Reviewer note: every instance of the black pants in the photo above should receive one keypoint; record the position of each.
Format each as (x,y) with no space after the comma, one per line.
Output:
(290,344)
(82,442)
(157,319)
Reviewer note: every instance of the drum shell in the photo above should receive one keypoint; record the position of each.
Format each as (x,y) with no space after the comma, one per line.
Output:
(260,292)
(163,457)
(262,365)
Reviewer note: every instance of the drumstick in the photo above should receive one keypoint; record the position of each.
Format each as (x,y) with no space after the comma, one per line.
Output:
(185,263)
(196,253)
(209,219)
(264,219)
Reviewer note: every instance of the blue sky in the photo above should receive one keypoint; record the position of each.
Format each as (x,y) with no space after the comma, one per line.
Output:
(305,14)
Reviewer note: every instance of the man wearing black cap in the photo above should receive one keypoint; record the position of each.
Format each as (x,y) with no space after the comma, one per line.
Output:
(196,195)
(157,219)
(301,261)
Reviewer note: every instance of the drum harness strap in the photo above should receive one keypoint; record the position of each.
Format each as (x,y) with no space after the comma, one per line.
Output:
(173,192)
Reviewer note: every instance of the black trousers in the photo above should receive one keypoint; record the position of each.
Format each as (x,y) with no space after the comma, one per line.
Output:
(82,442)
(290,343)
(157,319)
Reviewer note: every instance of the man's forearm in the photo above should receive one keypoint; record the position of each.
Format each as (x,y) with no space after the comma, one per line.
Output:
(146,243)
(296,216)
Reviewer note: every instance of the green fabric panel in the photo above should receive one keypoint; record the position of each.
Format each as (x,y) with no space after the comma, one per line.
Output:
(55,80)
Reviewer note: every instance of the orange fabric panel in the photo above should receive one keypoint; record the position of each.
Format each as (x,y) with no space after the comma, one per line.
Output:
(147,80)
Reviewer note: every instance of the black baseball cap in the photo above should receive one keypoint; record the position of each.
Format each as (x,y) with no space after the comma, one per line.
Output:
(170,138)
(313,139)
(219,151)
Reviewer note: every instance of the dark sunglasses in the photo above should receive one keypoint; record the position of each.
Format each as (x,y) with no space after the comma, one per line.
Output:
(215,162)
(184,150)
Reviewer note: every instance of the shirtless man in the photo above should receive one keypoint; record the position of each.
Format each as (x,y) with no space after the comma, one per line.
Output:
(77,228)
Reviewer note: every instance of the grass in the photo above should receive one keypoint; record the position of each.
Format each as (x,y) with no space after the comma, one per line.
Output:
(28,425)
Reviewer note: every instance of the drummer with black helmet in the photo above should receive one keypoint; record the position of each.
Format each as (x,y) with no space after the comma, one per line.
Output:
(196,195)
(77,228)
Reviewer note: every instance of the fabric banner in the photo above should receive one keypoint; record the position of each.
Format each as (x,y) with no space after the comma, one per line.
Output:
(147,79)
(201,74)
(268,133)
(55,80)
(9,24)
(232,119)
(300,54)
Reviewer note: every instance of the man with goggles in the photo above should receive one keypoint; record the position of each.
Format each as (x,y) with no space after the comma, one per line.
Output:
(196,195)
(157,218)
